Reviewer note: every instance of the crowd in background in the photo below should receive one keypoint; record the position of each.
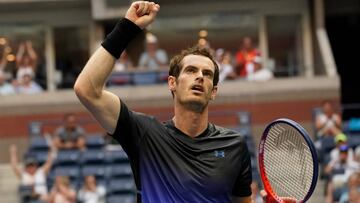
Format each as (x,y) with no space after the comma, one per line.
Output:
(21,80)
(341,161)
(33,177)
(246,63)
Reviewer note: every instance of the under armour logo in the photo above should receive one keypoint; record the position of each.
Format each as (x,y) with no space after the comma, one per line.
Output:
(219,154)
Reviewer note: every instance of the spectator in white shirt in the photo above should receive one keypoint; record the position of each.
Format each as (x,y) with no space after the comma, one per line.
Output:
(153,58)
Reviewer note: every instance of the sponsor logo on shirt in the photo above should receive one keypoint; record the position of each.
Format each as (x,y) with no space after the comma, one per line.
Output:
(219,153)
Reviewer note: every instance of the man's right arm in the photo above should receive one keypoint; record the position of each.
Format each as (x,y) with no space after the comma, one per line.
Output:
(89,86)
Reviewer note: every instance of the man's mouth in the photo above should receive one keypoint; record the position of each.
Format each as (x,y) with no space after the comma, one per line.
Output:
(197,88)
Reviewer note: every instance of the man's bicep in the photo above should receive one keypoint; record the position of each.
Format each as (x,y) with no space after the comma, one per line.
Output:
(106,110)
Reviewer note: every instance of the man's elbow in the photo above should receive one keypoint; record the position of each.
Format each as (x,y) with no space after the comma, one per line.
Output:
(79,89)
(85,92)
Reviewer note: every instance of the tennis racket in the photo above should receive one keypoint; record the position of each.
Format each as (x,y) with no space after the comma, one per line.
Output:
(287,161)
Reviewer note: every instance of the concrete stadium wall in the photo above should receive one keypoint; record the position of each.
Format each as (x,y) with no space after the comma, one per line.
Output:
(292,98)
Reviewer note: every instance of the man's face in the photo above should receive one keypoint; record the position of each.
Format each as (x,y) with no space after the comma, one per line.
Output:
(194,87)
(343,156)
(70,122)
(247,43)
(328,110)
(31,169)
(2,79)
(26,79)
(151,47)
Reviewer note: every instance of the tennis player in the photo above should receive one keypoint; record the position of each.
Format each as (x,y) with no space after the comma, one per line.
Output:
(186,159)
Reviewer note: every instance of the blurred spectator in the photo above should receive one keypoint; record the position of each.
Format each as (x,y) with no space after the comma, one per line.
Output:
(70,135)
(339,170)
(352,195)
(328,123)
(340,140)
(91,192)
(33,175)
(4,52)
(26,59)
(26,85)
(357,154)
(247,58)
(62,191)
(123,63)
(153,58)
(248,62)
(5,87)
(226,69)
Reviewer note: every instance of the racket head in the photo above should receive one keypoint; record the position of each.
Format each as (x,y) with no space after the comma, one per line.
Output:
(302,140)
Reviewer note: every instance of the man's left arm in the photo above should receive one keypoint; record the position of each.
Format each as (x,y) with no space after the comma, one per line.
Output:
(241,192)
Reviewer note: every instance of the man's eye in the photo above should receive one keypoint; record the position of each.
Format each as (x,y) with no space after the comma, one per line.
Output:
(208,74)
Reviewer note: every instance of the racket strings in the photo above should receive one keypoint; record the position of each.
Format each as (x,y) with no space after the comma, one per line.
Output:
(288,162)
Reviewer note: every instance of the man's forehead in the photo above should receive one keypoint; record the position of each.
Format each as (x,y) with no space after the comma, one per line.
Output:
(197,61)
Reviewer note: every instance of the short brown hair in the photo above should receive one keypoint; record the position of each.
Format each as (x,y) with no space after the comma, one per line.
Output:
(175,63)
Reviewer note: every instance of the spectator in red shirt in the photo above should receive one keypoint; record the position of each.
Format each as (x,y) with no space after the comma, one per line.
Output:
(248,58)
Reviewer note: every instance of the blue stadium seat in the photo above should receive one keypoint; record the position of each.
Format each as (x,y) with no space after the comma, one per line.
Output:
(354,140)
(95,141)
(35,201)
(120,78)
(121,186)
(99,171)
(124,198)
(38,143)
(68,157)
(93,157)
(163,76)
(119,170)
(145,78)
(40,156)
(73,172)
(117,156)
(25,191)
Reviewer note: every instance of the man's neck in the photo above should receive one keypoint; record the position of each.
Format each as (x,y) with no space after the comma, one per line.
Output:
(190,122)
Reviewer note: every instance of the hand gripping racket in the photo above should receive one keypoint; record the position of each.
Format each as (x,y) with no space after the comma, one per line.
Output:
(287,161)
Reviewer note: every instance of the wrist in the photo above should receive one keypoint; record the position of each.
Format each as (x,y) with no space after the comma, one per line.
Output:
(124,31)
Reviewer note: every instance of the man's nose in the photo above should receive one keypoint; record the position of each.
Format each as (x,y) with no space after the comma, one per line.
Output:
(200,76)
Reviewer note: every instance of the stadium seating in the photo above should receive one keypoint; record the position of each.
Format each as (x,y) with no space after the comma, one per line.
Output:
(124,198)
(119,170)
(40,156)
(120,78)
(95,141)
(145,78)
(116,156)
(121,186)
(72,172)
(68,157)
(93,157)
(38,143)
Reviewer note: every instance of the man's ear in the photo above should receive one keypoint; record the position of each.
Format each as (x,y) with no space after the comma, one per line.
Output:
(214,92)
(172,83)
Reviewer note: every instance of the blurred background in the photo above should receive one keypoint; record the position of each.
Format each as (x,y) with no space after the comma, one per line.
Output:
(278,58)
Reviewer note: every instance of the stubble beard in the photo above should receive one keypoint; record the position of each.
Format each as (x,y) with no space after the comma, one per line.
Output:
(196,106)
